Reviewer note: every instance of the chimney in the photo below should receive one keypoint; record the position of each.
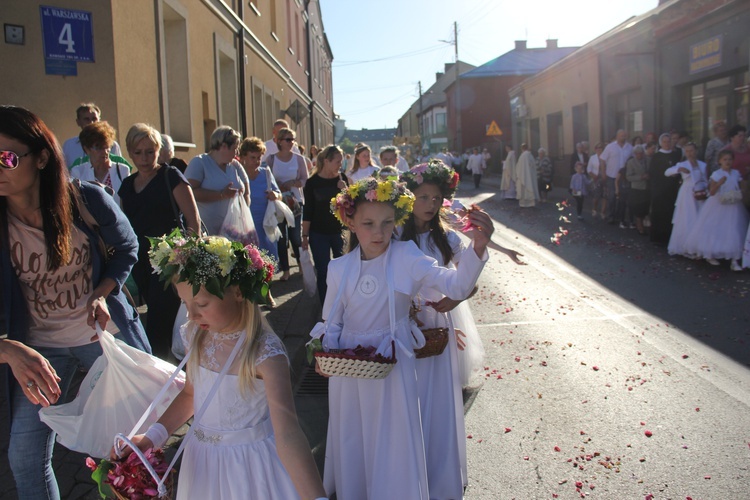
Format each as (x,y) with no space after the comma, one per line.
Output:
(520,44)
(552,43)
(438,75)
(448,66)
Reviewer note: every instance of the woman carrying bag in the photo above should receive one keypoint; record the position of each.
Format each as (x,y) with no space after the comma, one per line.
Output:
(321,230)
(44,238)
(290,171)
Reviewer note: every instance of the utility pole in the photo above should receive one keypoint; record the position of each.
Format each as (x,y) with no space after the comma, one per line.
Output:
(419,116)
(457,144)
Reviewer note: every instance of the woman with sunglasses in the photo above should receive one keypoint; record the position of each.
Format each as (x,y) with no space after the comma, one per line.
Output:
(321,230)
(290,171)
(99,165)
(217,177)
(58,279)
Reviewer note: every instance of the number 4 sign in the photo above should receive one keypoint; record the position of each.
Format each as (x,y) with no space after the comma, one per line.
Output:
(67,34)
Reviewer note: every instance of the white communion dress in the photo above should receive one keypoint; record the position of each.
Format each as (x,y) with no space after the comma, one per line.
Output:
(686,207)
(375,447)
(440,379)
(719,231)
(232,454)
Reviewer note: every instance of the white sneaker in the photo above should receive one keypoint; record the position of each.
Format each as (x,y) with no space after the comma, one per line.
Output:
(735,266)
(623,226)
(713,262)
(593,213)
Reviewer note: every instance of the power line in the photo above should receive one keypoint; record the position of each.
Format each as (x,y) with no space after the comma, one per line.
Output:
(359,112)
(389,58)
(361,89)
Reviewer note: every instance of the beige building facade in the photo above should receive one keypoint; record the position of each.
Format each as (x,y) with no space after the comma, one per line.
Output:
(183,66)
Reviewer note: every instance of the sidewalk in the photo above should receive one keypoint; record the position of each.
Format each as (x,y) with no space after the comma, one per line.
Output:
(294,316)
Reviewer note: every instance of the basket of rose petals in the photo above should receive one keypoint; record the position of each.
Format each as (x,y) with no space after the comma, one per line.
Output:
(128,478)
(360,362)
(435,340)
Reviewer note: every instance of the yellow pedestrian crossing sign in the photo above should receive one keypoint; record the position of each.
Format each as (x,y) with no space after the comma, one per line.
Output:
(493,129)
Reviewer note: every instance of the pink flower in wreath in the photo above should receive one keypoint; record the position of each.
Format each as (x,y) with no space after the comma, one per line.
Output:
(254,256)
(371,195)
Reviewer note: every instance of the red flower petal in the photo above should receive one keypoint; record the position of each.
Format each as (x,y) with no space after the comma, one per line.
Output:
(507,430)
(648,434)
(557,448)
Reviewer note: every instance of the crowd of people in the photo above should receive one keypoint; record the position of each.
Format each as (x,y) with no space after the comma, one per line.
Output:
(697,208)
(74,232)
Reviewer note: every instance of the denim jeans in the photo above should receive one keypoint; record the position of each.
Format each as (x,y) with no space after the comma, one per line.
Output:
(291,235)
(31,441)
(321,247)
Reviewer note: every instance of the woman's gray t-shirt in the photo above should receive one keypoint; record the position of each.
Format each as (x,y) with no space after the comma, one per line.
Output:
(205,170)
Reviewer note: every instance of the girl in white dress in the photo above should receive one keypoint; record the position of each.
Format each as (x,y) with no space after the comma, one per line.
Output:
(687,205)
(363,165)
(232,452)
(375,447)
(719,232)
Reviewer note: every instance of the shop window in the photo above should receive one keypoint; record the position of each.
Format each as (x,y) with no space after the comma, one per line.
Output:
(555,135)
(440,123)
(580,123)
(176,92)
(628,114)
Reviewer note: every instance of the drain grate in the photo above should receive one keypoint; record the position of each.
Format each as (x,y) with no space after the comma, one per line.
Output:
(312,384)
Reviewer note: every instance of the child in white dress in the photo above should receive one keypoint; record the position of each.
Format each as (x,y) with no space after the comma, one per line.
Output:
(687,206)
(375,447)
(719,232)
(232,451)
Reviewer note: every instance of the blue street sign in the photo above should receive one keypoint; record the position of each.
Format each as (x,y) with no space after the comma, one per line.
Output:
(60,67)
(67,34)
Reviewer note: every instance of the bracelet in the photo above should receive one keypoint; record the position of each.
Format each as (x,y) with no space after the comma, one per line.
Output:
(158,435)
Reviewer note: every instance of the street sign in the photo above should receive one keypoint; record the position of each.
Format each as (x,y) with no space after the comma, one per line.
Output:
(493,129)
(67,34)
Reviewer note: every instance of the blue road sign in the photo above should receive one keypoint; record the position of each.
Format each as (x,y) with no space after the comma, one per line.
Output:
(67,34)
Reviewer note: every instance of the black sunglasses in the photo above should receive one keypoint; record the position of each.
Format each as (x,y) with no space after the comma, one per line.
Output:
(287,139)
(9,160)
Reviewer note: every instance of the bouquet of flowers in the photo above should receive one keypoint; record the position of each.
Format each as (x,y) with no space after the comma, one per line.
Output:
(129,477)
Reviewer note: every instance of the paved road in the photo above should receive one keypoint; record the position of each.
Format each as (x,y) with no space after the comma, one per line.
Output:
(613,370)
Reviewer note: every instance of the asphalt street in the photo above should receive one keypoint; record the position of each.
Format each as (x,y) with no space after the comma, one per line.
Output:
(613,370)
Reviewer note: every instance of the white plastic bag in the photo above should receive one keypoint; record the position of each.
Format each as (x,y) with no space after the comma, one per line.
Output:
(117,390)
(238,223)
(178,346)
(271,223)
(308,272)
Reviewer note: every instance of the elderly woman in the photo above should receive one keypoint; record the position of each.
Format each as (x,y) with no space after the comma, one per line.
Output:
(44,239)
(263,188)
(156,199)
(544,172)
(217,177)
(321,231)
(99,165)
(290,171)
(738,146)
(166,154)
(639,198)
(663,190)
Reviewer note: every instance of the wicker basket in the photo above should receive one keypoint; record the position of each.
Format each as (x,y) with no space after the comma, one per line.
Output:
(435,340)
(345,365)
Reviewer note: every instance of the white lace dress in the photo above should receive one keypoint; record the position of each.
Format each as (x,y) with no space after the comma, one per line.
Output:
(232,452)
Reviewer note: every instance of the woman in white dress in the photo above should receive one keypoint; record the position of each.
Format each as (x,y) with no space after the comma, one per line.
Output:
(375,446)
(722,222)
(245,441)
(690,198)
(363,166)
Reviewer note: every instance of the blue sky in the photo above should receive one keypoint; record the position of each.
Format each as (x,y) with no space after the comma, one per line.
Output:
(383,48)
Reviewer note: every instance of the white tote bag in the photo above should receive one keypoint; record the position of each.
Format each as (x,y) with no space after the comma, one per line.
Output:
(308,272)
(117,390)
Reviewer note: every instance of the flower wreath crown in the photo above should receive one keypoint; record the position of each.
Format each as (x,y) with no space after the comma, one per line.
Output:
(434,172)
(214,262)
(371,189)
